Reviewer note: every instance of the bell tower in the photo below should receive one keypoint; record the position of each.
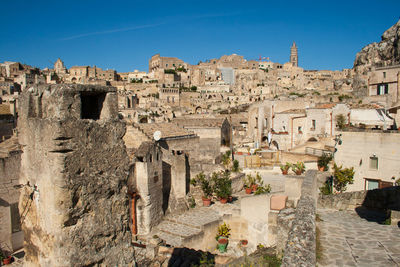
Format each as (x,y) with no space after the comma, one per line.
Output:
(294,59)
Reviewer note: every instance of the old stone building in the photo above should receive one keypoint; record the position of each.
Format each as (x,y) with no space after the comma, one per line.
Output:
(11,235)
(374,156)
(74,177)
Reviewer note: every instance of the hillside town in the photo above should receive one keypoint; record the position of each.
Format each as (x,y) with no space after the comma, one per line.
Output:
(145,168)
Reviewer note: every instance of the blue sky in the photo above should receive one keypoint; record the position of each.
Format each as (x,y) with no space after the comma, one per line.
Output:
(123,35)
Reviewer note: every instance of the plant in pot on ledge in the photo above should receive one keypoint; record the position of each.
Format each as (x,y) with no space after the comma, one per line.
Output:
(222,186)
(249,181)
(205,186)
(298,168)
(323,162)
(222,237)
(285,168)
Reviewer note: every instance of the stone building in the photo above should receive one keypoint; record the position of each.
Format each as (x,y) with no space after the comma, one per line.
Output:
(157,62)
(384,84)
(59,67)
(294,58)
(169,96)
(146,184)
(374,156)
(74,177)
(178,149)
(11,235)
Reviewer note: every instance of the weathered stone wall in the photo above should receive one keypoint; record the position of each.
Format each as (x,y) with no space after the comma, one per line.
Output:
(74,170)
(386,198)
(300,248)
(10,238)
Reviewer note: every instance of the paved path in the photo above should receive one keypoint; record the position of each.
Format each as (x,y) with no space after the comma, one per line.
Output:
(349,240)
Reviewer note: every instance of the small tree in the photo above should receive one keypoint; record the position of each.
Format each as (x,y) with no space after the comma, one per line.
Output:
(226,159)
(342,177)
(341,121)
(235,167)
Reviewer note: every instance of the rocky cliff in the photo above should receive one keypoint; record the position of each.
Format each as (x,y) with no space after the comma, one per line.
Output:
(386,52)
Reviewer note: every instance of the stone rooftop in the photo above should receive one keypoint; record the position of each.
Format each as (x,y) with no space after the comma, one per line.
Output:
(293,111)
(167,129)
(199,122)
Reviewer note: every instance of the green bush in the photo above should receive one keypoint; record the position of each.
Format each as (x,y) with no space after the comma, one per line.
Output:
(342,177)
(235,167)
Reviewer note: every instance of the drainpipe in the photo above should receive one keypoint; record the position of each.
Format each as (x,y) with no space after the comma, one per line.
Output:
(134,195)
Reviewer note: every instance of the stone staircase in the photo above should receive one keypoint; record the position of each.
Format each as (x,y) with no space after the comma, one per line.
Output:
(177,230)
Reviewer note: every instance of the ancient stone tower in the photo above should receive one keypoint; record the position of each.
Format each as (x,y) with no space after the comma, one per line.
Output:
(294,59)
(74,201)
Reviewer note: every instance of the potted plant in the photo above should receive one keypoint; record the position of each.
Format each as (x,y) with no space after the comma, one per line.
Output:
(222,186)
(222,237)
(285,168)
(248,183)
(298,168)
(257,182)
(206,187)
(323,162)
(243,243)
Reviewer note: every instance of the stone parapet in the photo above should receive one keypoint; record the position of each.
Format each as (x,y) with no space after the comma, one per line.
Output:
(300,248)
(384,199)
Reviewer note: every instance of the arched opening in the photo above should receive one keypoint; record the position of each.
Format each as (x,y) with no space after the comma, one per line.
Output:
(264,138)
(312,139)
(198,110)
(275,144)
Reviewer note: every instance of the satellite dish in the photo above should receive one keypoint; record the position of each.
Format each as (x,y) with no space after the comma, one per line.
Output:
(157,135)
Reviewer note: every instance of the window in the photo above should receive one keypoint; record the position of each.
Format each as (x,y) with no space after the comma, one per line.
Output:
(373,163)
(384,75)
(382,89)
(300,129)
(313,125)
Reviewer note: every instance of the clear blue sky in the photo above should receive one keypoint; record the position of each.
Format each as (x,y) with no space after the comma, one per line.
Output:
(123,35)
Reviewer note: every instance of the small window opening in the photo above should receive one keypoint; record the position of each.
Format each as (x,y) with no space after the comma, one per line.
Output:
(373,163)
(92,104)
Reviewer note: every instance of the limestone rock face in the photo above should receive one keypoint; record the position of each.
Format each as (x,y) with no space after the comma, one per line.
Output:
(74,168)
(386,52)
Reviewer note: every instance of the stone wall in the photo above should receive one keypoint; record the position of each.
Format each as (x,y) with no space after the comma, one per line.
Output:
(74,169)
(386,198)
(11,236)
(300,247)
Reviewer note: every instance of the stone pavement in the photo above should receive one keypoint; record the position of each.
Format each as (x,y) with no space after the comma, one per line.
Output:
(349,240)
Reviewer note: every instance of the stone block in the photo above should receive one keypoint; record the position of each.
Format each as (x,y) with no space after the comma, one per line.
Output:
(395,217)
(278,202)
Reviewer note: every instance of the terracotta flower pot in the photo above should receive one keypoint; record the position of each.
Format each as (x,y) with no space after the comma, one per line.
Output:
(298,172)
(321,168)
(284,172)
(254,187)
(7,260)
(243,242)
(206,202)
(223,200)
(248,190)
(222,243)
(230,199)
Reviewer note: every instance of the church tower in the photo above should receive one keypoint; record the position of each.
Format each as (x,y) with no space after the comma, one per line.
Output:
(294,59)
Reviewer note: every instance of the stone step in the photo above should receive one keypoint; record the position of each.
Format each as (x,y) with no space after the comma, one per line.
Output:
(172,240)
(178,229)
(196,218)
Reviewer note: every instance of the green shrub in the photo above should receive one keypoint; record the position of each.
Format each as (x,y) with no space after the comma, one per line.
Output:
(342,177)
